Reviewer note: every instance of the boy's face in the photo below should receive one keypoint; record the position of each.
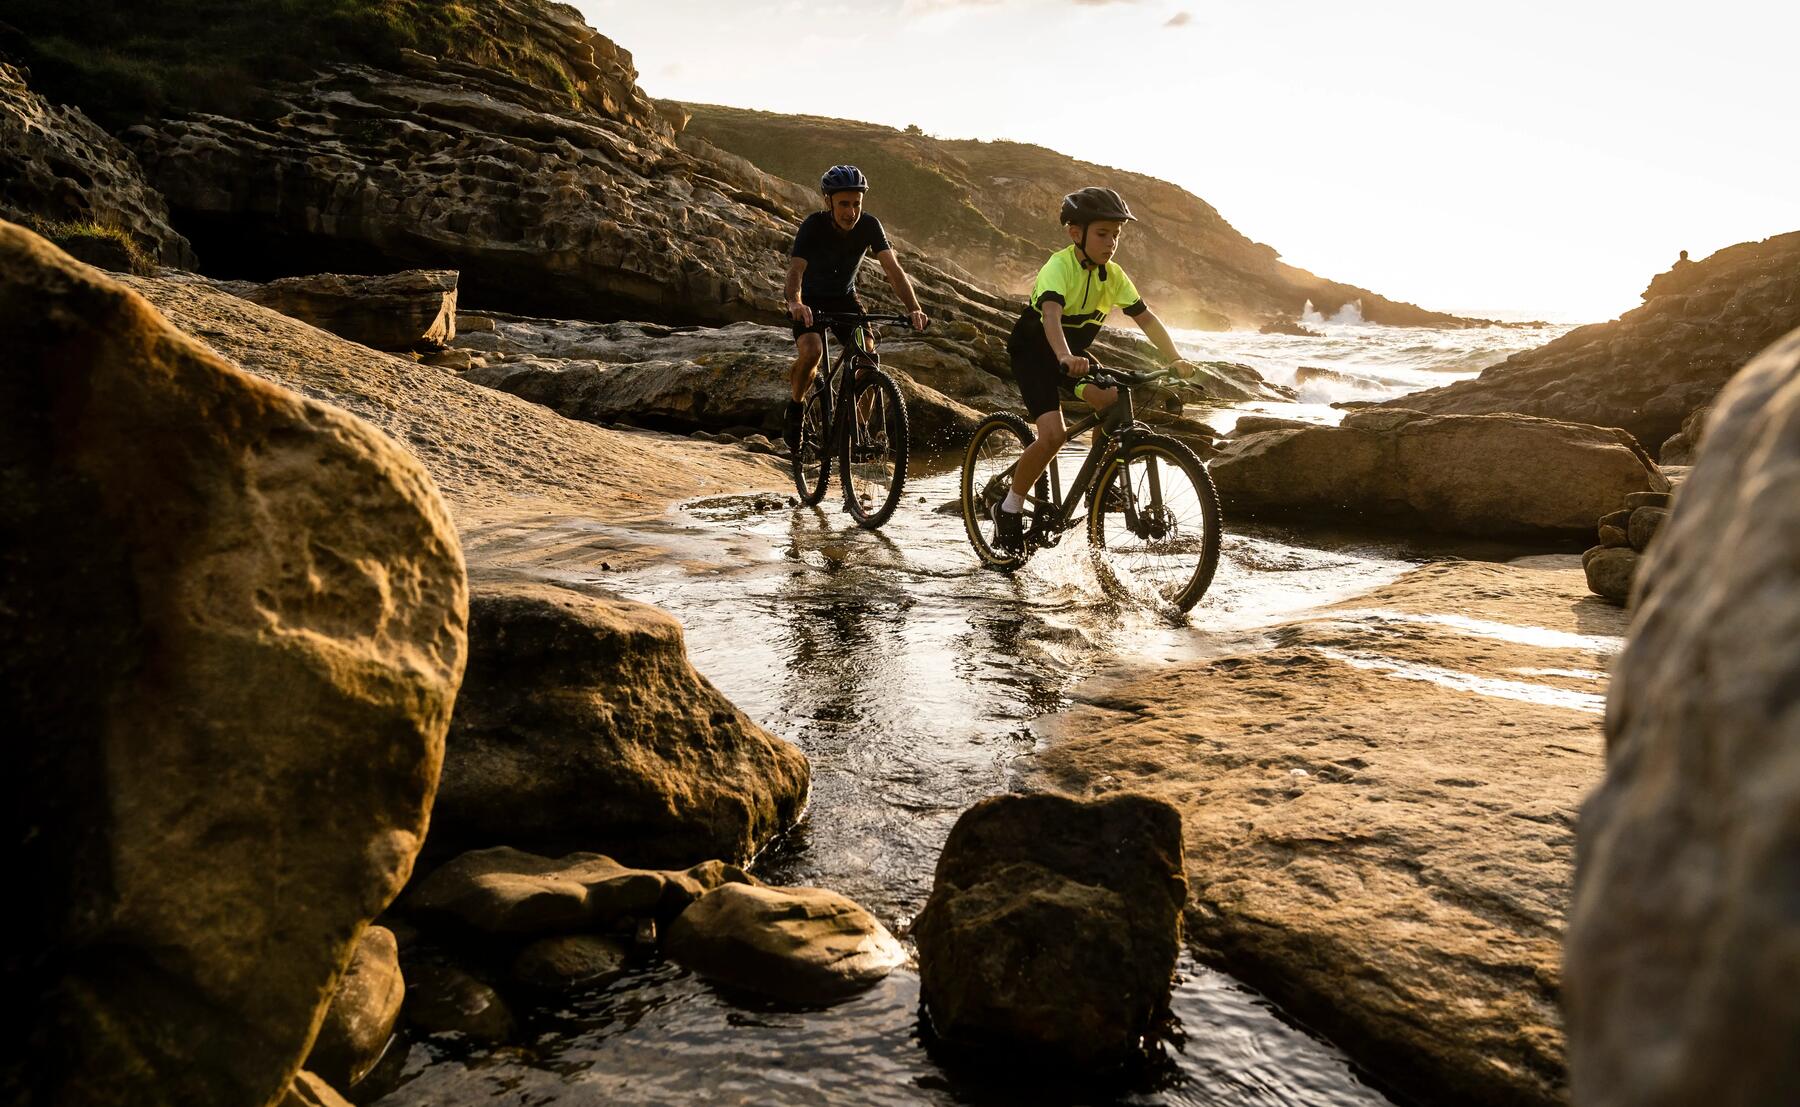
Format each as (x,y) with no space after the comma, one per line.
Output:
(1102,239)
(846,209)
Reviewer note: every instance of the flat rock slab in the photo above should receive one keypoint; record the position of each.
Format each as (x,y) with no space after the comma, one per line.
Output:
(800,945)
(509,891)
(410,310)
(1379,807)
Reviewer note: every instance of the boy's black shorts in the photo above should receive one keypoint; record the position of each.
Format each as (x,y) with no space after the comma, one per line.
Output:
(1041,378)
(828,303)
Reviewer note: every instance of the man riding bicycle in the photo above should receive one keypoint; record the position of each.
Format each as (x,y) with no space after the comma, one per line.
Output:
(1075,290)
(828,249)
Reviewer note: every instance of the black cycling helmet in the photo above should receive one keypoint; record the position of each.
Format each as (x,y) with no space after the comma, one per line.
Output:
(1095,204)
(843,178)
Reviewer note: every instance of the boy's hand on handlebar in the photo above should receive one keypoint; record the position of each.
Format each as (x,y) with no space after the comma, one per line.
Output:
(1182,368)
(918,320)
(800,313)
(1075,366)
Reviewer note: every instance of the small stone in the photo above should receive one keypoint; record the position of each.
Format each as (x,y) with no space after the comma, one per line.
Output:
(1610,571)
(362,1013)
(800,945)
(474,324)
(1613,536)
(1645,522)
(1647,499)
(442,999)
(569,961)
(645,938)
(1620,519)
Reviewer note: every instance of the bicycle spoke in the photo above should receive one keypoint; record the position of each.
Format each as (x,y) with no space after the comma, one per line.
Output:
(1157,517)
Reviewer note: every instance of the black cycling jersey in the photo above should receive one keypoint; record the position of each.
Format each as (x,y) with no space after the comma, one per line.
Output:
(832,256)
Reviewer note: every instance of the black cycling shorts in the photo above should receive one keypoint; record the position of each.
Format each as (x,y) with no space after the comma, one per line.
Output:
(829,303)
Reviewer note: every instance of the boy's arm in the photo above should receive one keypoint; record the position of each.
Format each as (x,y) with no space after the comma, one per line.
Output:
(790,293)
(1159,335)
(902,287)
(1052,312)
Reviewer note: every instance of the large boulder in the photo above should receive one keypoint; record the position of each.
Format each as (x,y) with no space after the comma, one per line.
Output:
(1683,955)
(798,945)
(362,1013)
(61,172)
(413,310)
(582,724)
(1649,369)
(1488,475)
(507,891)
(1053,925)
(233,631)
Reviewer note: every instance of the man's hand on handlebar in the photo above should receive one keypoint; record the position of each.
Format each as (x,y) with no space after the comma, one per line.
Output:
(1075,366)
(800,313)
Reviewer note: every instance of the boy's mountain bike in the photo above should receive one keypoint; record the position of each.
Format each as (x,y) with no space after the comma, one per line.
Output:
(854,411)
(1148,499)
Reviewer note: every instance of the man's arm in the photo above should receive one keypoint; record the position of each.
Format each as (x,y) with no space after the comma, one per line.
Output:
(1159,336)
(790,293)
(1052,312)
(902,287)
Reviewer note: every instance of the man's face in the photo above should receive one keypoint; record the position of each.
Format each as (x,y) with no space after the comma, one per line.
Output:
(846,209)
(1102,239)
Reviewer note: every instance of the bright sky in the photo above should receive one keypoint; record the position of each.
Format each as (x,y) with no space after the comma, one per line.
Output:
(1538,156)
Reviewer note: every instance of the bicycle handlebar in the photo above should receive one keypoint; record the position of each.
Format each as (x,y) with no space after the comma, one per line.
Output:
(1124,376)
(852,318)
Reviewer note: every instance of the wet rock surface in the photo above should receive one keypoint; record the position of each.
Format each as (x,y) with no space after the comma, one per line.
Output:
(58,166)
(1388,859)
(1053,926)
(1648,370)
(443,999)
(1681,954)
(310,1090)
(568,962)
(363,1011)
(797,945)
(581,722)
(1479,475)
(240,618)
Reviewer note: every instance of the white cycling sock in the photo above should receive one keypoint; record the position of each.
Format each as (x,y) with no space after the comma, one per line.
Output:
(1014,503)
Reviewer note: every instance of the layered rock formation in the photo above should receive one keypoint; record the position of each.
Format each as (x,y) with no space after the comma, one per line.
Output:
(1388,859)
(1053,927)
(234,628)
(1651,368)
(58,167)
(581,723)
(414,310)
(1490,475)
(992,207)
(1685,931)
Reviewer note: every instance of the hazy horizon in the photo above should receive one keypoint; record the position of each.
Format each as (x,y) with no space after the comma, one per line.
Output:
(1544,160)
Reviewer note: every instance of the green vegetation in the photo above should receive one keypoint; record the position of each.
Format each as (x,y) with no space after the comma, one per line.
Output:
(100,244)
(127,61)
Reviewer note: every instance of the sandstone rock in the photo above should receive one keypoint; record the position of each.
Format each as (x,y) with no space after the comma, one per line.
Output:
(798,945)
(1614,536)
(415,310)
(362,1013)
(1620,519)
(1649,369)
(58,167)
(1610,570)
(1386,859)
(238,618)
(1500,475)
(1053,925)
(1645,522)
(570,961)
(1681,953)
(442,999)
(1647,499)
(582,723)
(1256,424)
(507,891)
(1684,445)
(308,1090)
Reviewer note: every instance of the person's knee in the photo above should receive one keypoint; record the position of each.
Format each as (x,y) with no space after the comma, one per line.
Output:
(1053,438)
(807,351)
(1102,398)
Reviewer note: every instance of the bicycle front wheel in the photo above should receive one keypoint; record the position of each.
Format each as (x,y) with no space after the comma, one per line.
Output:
(811,460)
(1156,513)
(874,450)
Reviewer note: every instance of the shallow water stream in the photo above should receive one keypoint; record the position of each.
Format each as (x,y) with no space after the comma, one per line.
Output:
(911,678)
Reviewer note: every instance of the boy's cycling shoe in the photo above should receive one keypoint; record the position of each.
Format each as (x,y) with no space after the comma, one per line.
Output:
(1009,531)
(790,425)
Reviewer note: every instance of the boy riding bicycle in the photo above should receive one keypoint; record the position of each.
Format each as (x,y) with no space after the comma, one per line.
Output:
(828,249)
(1075,290)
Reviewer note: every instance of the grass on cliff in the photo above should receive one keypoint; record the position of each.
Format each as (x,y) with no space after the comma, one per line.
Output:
(124,62)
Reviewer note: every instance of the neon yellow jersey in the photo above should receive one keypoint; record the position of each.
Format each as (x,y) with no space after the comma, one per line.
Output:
(1086,293)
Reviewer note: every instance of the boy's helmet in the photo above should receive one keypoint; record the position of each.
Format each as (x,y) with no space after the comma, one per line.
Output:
(1094,204)
(843,178)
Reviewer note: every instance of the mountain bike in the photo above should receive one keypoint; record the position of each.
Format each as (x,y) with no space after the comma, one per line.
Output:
(1148,499)
(855,411)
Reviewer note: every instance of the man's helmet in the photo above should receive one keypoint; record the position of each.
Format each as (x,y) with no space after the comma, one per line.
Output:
(843,178)
(1092,205)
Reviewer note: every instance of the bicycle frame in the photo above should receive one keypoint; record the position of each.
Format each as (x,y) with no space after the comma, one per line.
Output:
(839,405)
(1119,427)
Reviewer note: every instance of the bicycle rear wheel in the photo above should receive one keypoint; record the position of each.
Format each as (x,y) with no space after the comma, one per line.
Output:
(811,460)
(1155,510)
(988,464)
(874,449)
